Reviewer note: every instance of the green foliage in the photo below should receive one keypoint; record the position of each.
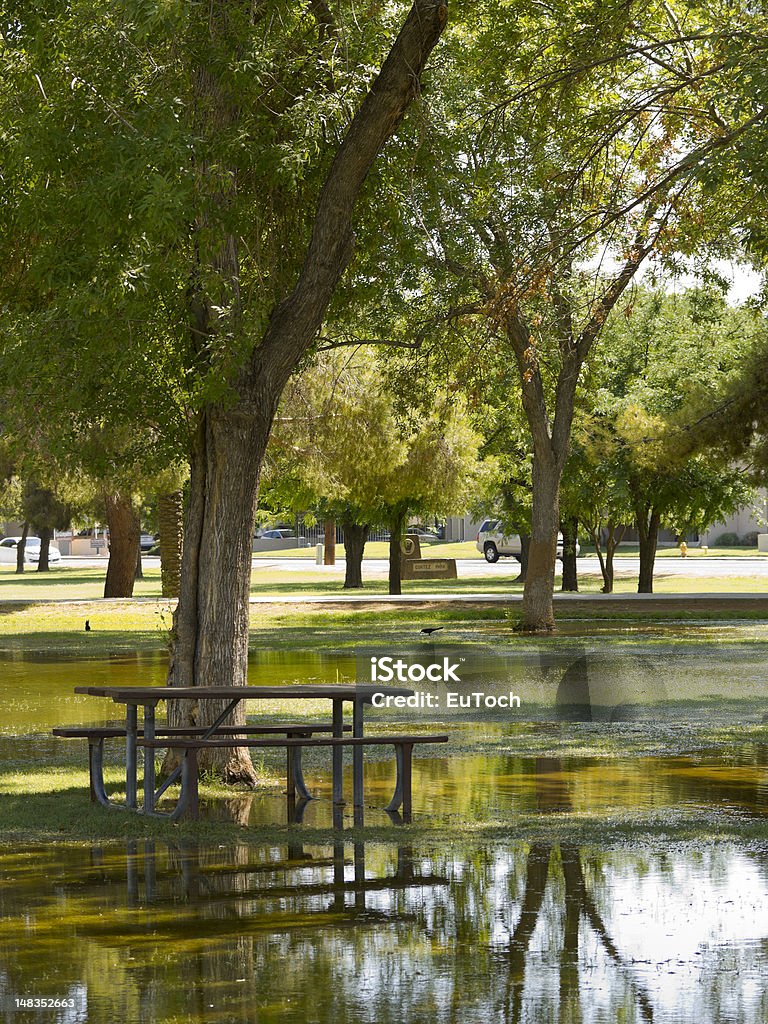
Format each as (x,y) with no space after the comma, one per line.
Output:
(340,445)
(658,369)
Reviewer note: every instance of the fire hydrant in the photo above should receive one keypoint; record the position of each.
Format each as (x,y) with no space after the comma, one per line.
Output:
(683,549)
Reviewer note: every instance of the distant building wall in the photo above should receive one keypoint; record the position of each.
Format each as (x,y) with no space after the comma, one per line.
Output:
(749,520)
(459,528)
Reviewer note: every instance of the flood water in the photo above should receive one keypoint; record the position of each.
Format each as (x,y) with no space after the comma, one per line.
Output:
(694,673)
(356,933)
(405,928)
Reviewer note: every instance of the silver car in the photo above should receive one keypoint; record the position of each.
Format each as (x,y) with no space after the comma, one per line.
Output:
(494,544)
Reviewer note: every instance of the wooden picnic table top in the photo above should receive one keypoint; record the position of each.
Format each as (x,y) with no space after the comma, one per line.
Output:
(332,691)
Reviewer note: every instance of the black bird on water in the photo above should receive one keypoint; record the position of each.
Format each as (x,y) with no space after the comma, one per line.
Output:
(87,625)
(429,630)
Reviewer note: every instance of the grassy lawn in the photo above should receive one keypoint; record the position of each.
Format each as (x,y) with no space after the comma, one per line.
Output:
(83,584)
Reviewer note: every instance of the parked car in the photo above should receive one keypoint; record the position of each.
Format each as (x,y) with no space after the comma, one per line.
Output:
(147,541)
(494,544)
(31,551)
(425,536)
(278,535)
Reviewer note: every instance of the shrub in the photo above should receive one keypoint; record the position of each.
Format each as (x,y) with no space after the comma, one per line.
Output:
(727,540)
(749,540)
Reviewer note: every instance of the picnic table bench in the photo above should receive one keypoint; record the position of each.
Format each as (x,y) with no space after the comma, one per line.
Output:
(292,736)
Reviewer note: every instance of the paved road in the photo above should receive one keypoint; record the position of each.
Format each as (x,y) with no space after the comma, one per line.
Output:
(692,568)
(626,567)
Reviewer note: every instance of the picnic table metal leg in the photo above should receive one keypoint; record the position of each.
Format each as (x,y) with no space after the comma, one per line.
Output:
(96,771)
(402,794)
(131,719)
(357,754)
(295,775)
(189,803)
(149,760)
(397,796)
(407,779)
(338,753)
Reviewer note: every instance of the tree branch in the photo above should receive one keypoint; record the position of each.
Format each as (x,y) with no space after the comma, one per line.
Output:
(295,321)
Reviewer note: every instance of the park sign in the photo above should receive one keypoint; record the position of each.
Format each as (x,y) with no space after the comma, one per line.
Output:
(414,567)
(429,569)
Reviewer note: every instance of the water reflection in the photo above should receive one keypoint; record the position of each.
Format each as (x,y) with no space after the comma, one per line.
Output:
(385,933)
(566,680)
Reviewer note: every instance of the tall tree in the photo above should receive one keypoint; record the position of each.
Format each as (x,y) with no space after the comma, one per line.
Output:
(200,200)
(341,445)
(606,149)
(657,373)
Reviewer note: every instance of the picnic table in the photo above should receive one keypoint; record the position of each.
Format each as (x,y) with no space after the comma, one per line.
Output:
(191,740)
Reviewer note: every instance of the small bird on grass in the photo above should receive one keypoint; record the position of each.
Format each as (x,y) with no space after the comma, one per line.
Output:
(87,625)
(429,630)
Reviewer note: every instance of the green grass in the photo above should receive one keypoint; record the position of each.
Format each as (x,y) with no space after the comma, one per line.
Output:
(380,549)
(80,584)
(633,550)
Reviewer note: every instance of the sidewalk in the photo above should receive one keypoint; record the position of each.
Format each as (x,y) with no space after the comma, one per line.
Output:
(616,602)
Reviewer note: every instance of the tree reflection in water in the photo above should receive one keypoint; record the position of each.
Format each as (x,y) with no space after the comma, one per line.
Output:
(350,931)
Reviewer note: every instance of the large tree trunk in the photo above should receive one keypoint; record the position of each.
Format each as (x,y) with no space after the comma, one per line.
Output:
(538,611)
(570,531)
(212,616)
(45,533)
(211,619)
(329,542)
(21,547)
(170,513)
(355,536)
(615,534)
(396,524)
(124,536)
(648,521)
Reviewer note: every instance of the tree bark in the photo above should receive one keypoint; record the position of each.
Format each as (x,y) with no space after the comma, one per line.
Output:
(329,543)
(570,531)
(211,620)
(45,533)
(138,572)
(614,534)
(170,513)
(525,552)
(396,524)
(648,522)
(21,546)
(538,610)
(124,536)
(212,617)
(355,536)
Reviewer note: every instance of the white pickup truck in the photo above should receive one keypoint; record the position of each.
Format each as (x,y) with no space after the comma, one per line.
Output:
(494,544)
